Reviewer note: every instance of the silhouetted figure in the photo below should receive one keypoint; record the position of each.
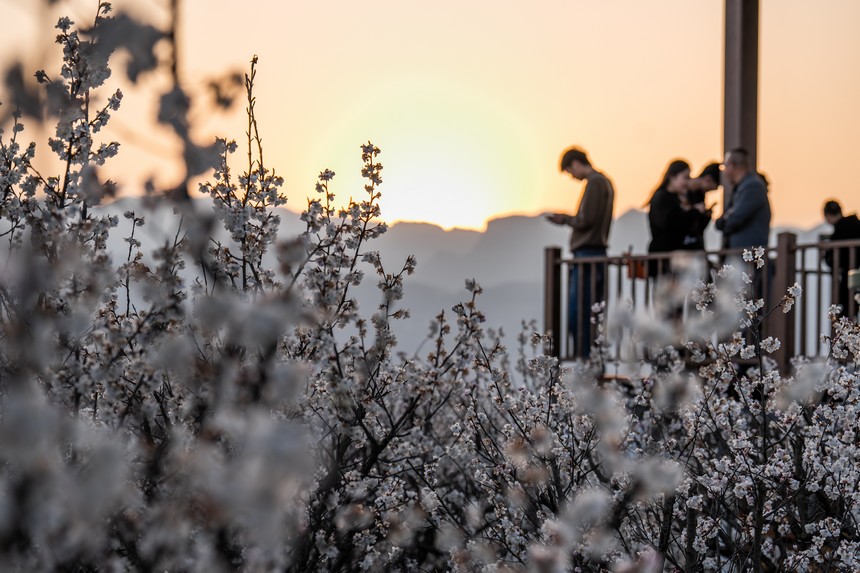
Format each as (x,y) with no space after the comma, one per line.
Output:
(589,238)
(845,227)
(697,189)
(670,218)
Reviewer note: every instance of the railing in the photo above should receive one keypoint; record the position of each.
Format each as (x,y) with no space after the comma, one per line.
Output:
(619,279)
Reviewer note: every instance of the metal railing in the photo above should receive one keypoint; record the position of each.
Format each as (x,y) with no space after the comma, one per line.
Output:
(631,279)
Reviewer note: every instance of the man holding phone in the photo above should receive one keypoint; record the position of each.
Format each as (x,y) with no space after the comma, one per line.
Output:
(589,238)
(697,188)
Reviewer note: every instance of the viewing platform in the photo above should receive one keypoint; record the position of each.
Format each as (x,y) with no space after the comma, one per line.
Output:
(800,331)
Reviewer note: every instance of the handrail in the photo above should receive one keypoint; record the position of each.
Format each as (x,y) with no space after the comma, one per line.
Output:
(624,257)
(831,244)
(786,263)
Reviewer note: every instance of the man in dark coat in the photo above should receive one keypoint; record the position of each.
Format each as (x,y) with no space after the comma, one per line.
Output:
(745,223)
(841,260)
(709,180)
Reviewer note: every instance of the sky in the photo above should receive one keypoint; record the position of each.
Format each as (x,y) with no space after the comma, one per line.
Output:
(473,101)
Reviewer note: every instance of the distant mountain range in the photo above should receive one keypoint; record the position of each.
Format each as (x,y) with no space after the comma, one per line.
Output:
(506,260)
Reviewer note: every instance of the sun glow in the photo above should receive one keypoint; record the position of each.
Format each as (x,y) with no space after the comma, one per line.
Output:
(450,157)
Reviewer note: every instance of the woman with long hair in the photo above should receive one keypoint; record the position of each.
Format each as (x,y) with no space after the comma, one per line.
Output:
(669,217)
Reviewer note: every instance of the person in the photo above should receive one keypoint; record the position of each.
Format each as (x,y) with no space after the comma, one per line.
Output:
(697,189)
(845,227)
(745,222)
(589,238)
(670,219)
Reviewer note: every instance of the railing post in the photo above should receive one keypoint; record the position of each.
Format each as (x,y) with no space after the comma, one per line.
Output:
(552,298)
(782,325)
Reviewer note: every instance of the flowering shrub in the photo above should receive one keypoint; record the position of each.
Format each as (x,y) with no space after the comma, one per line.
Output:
(225,402)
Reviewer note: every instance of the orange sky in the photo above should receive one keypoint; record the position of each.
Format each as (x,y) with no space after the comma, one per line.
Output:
(472,101)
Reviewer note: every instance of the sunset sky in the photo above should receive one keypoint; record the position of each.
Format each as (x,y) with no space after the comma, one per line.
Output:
(473,101)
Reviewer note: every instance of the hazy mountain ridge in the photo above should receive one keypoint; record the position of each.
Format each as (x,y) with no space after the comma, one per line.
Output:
(506,259)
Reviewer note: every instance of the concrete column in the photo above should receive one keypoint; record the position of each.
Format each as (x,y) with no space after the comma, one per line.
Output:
(740,89)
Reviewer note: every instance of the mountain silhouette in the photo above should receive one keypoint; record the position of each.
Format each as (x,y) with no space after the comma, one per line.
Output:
(506,260)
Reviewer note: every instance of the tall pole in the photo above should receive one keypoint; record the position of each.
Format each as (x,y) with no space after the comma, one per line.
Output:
(740,127)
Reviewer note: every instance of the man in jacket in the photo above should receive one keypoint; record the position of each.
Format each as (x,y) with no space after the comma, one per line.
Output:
(589,238)
(745,222)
